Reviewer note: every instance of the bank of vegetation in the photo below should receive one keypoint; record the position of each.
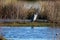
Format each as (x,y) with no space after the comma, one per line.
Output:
(50,10)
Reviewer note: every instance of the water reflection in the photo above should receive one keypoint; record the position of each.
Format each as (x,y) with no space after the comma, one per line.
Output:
(30,32)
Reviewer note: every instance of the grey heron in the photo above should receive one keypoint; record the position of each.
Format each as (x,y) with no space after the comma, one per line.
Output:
(34,16)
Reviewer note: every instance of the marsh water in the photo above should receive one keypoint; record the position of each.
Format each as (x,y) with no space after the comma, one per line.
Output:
(28,33)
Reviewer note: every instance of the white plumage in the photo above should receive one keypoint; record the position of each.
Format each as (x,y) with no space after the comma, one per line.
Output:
(35,17)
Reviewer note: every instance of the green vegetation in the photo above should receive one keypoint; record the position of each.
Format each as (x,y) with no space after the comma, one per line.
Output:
(26,24)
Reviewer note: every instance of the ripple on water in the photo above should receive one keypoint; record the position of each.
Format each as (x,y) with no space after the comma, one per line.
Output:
(27,32)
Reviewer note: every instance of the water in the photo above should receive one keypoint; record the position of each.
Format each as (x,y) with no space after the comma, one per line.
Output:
(27,33)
